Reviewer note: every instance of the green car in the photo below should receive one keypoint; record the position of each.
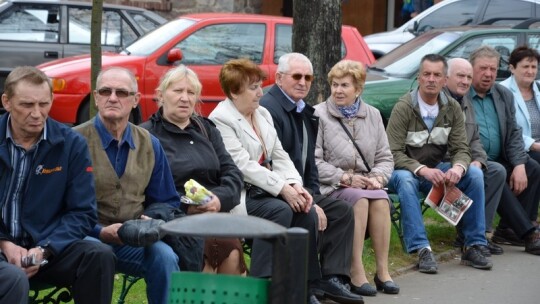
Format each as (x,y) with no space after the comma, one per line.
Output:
(394,74)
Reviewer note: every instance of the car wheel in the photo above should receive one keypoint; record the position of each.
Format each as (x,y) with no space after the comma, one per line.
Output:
(84,112)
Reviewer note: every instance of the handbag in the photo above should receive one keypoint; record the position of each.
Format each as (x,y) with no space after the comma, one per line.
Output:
(256,192)
(355,145)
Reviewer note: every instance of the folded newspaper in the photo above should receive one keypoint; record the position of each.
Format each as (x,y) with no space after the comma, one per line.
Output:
(196,194)
(449,202)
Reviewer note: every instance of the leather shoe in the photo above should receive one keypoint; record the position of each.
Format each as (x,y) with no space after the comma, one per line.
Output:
(506,236)
(388,287)
(532,242)
(472,256)
(334,289)
(364,290)
(312,299)
(494,248)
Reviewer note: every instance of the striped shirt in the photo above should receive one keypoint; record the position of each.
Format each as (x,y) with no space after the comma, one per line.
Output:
(21,162)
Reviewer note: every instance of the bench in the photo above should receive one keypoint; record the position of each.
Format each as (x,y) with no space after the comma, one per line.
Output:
(395,215)
(42,293)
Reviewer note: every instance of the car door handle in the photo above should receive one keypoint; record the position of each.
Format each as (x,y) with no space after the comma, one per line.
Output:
(50,54)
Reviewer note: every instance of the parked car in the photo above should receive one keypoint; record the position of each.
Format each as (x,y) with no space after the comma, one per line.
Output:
(394,74)
(451,13)
(203,42)
(33,32)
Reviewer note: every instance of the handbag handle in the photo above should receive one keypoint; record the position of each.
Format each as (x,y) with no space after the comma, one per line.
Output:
(355,145)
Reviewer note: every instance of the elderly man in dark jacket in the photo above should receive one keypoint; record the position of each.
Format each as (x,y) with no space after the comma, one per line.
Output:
(458,83)
(503,142)
(297,128)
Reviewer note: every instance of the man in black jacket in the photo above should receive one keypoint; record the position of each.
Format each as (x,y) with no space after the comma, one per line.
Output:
(503,142)
(297,127)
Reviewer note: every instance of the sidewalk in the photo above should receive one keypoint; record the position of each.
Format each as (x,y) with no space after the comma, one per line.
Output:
(515,278)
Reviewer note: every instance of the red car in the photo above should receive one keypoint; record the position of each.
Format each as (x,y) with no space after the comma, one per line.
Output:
(201,41)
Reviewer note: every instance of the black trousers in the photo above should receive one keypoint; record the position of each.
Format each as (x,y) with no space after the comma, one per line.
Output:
(517,212)
(87,266)
(336,242)
(278,211)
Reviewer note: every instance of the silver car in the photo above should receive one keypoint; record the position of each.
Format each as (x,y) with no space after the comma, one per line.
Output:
(450,13)
(33,32)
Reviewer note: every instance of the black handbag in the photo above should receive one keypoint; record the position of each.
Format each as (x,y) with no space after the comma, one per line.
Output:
(255,192)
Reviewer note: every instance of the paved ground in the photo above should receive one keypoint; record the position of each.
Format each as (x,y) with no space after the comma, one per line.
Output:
(515,278)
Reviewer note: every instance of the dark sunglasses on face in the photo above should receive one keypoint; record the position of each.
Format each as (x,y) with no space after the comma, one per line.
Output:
(120,93)
(297,77)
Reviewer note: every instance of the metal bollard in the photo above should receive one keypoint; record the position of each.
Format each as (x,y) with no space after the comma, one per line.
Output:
(289,267)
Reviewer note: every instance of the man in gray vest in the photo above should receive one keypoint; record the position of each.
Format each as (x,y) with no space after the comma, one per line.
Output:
(131,173)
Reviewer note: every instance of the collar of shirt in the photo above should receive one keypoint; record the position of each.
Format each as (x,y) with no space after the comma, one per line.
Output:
(475,96)
(9,135)
(106,137)
(300,105)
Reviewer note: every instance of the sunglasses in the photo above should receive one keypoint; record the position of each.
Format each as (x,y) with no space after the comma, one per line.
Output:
(120,93)
(297,77)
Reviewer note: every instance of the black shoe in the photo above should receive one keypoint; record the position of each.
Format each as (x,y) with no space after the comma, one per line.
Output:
(473,257)
(312,299)
(506,236)
(364,290)
(333,289)
(426,261)
(494,248)
(532,242)
(388,287)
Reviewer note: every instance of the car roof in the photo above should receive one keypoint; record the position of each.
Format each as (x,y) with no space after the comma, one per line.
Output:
(87,4)
(236,16)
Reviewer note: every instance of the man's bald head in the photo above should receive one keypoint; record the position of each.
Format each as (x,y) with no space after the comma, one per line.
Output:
(459,76)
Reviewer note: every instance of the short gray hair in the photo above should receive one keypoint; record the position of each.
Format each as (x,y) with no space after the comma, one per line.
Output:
(128,72)
(284,61)
(484,51)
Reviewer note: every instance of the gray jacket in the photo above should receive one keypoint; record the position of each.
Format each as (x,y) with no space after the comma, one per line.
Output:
(336,154)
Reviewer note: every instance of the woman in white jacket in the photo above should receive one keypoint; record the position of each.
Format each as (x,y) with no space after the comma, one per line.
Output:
(523,64)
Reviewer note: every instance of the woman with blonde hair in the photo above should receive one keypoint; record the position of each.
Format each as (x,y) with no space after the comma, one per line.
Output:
(355,162)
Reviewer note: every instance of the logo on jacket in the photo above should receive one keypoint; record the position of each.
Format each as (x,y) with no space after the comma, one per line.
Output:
(41,170)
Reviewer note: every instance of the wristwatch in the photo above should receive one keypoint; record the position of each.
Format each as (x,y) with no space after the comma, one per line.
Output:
(45,252)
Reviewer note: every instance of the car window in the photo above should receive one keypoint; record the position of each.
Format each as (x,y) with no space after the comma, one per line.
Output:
(503,43)
(148,44)
(33,23)
(283,43)
(143,21)
(217,44)
(506,10)
(404,60)
(453,14)
(114,30)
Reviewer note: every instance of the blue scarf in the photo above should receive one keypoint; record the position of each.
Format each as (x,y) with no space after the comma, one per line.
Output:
(350,111)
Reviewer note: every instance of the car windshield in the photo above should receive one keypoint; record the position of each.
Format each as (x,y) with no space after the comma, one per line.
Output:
(404,60)
(149,43)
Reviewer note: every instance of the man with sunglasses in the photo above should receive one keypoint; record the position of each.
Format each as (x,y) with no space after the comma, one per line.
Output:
(47,200)
(131,173)
(297,128)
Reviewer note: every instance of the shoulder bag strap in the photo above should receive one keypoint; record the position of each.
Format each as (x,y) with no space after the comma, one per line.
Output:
(354,143)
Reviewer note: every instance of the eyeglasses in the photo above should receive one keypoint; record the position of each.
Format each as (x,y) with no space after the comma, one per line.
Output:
(298,76)
(120,93)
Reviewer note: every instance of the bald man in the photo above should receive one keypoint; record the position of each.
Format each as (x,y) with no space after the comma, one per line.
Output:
(458,83)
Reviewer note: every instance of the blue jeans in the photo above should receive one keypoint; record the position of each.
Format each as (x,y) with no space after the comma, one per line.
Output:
(407,185)
(154,263)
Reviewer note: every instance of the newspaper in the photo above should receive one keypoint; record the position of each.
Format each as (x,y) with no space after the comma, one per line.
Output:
(449,202)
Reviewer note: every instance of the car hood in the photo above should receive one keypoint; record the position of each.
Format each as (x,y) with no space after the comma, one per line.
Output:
(383,92)
(387,41)
(77,64)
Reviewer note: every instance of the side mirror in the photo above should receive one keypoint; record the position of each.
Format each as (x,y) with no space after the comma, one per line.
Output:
(413,27)
(174,55)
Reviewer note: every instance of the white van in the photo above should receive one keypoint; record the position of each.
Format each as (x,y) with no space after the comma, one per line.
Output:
(454,13)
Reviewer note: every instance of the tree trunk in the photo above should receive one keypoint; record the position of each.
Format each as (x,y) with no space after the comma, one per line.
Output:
(95,49)
(317,34)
